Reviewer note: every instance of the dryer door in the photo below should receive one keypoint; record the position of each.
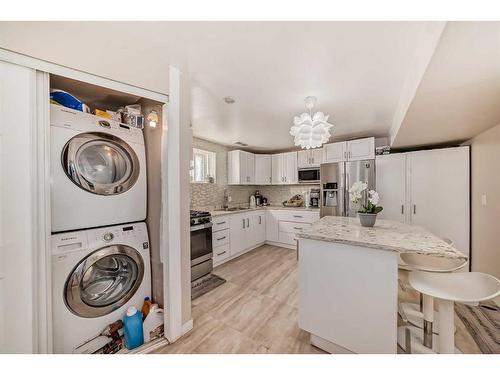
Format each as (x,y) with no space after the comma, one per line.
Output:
(103,281)
(100,163)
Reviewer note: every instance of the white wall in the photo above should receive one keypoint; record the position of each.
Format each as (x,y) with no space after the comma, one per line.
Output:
(113,50)
(485,180)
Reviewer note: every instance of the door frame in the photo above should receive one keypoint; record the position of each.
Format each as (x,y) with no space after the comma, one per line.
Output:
(41,214)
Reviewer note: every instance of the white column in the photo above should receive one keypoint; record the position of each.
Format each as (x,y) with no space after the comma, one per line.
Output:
(446,321)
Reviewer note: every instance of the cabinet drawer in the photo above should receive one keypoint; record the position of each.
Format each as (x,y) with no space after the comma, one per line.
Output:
(220,223)
(288,238)
(220,238)
(221,253)
(292,227)
(297,216)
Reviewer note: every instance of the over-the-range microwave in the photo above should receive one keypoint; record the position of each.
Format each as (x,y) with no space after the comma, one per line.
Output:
(309,176)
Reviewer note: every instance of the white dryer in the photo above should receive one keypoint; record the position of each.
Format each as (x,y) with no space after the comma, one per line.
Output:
(98,171)
(96,275)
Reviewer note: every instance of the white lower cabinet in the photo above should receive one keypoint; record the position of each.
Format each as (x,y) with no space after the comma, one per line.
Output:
(234,234)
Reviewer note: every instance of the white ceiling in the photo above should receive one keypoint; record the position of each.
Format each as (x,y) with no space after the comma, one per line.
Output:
(360,71)
(459,95)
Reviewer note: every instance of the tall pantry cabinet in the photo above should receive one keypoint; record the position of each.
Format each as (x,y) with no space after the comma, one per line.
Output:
(428,188)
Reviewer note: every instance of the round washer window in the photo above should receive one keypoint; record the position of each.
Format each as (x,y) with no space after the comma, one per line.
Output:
(100,163)
(104,281)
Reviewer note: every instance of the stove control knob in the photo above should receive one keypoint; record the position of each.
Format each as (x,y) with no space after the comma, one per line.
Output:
(193,221)
(108,236)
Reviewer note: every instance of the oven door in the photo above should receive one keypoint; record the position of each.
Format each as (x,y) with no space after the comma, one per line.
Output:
(201,243)
(309,175)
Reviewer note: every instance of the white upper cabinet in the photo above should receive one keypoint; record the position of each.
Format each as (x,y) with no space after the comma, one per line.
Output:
(390,180)
(303,158)
(284,168)
(359,149)
(263,169)
(310,158)
(240,168)
(335,152)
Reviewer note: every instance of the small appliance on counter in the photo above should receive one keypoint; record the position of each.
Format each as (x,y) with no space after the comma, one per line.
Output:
(314,197)
(258,198)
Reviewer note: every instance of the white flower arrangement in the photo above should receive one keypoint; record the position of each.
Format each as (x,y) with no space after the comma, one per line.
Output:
(358,193)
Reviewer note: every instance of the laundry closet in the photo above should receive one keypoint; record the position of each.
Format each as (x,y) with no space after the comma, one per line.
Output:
(98,190)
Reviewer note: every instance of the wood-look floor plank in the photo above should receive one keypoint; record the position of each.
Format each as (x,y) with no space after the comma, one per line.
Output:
(256,310)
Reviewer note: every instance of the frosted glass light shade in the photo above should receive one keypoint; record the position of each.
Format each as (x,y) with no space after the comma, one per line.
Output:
(311,132)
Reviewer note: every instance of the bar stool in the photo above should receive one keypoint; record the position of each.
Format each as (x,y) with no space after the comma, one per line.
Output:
(447,288)
(413,312)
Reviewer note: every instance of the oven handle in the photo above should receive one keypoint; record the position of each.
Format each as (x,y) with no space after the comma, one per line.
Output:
(201,226)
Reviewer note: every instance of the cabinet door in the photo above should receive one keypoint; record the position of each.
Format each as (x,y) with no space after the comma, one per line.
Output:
(304,158)
(277,169)
(236,168)
(271,226)
(361,149)
(291,173)
(439,193)
(334,152)
(250,168)
(316,157)
(238,233)
(390,183)
(256,232)
(263,169)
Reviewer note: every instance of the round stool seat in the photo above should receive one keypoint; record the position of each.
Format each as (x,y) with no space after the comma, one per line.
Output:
(464,287)
(431,263)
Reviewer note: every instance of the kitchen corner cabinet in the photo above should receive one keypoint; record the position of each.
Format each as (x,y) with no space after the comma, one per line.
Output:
(310,158)
(428,188)
(284,168)
(263,169)
(241,167)
(358,149)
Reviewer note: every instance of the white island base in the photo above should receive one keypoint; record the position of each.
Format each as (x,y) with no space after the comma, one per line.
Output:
(348,297)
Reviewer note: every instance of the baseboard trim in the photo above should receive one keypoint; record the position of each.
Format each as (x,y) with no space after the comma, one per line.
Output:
(280,244)
(186,327)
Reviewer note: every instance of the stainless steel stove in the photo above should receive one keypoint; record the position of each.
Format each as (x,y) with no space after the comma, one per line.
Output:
(201,244)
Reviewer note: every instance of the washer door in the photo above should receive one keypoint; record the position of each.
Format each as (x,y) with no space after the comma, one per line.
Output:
(100,163)
(104,281)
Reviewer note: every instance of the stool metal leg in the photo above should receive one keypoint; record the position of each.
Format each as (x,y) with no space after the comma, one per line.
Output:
(446,317)
(428,312)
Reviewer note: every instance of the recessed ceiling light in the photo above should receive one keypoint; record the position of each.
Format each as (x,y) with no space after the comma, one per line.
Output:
(229,99)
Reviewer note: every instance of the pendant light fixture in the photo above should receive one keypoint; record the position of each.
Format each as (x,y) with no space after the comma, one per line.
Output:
(311,130)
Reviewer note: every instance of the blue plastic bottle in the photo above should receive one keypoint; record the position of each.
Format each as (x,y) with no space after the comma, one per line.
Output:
(132,328)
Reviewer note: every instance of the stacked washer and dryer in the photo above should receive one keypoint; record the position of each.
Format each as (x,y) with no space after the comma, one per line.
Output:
(100,247)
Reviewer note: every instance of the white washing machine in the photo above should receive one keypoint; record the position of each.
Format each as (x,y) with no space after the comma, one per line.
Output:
(96,275)
(98,171)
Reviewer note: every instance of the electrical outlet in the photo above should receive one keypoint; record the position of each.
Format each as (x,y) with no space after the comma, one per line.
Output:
(483,200)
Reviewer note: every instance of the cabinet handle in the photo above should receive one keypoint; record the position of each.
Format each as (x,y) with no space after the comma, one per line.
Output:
(260,219)
(221,253)
(220,223)
(298,216)
(414,209)
(220,239)
(297,228)
(345,155)
(248,222)
(402,209)
(243,223)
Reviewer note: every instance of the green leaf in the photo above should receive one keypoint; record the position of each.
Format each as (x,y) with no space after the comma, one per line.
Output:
(378,209)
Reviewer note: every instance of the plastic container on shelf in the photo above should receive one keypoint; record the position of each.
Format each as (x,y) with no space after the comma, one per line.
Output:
(145,307)
(152,325)
(132,328)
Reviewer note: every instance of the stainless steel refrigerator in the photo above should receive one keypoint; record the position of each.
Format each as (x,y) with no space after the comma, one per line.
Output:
(336,178)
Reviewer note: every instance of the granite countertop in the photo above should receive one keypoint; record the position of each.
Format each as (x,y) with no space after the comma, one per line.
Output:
(222,212)
(385,235)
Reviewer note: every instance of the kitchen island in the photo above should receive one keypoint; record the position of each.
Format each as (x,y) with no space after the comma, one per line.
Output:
(348,281)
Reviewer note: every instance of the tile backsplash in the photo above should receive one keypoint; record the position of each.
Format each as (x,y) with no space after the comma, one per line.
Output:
(209,196)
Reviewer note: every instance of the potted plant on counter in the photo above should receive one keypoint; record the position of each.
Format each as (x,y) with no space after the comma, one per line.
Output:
(368,200)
